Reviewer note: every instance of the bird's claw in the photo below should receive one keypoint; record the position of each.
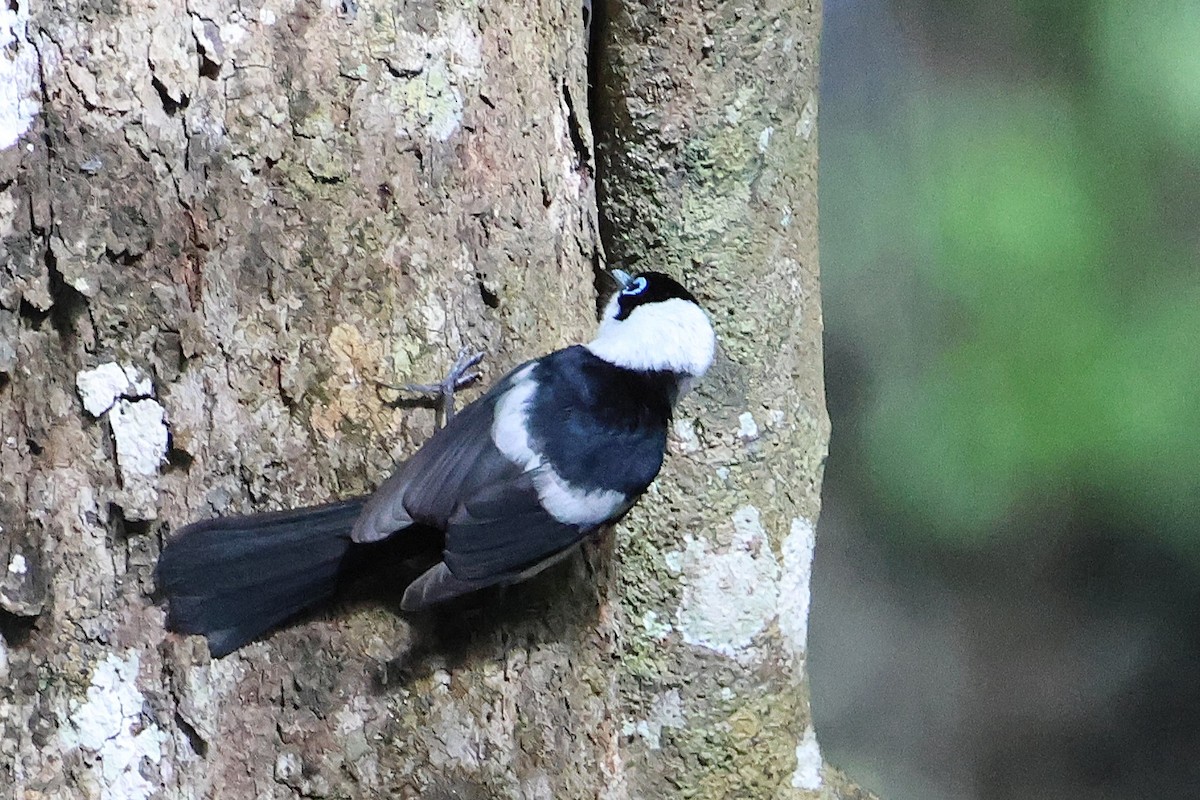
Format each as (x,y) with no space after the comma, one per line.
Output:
(460,375)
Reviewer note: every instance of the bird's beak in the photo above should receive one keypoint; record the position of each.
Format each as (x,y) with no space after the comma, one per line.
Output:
(622,277)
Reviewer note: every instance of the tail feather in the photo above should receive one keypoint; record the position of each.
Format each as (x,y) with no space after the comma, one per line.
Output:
(232,579)
(215,562)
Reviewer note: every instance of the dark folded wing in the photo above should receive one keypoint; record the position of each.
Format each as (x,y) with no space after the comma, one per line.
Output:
(504,514)
(429,486)
(503,530)
(501,535)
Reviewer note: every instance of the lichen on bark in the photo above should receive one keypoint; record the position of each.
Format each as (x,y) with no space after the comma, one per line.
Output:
(708,166)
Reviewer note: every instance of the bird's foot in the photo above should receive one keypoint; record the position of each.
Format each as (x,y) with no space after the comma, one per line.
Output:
(460,375)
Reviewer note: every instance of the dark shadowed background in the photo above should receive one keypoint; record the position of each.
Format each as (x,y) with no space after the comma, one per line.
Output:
(1008,564)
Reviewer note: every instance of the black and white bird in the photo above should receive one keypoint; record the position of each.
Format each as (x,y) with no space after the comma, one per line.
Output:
(559,447)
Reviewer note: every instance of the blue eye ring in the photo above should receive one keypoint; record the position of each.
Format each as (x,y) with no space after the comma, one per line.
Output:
(636,286)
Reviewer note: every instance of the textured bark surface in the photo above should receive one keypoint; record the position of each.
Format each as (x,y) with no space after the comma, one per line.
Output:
(708,164)
(222,224)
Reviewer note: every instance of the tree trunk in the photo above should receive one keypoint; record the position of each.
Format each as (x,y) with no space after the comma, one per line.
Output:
(707,164)
(222,225)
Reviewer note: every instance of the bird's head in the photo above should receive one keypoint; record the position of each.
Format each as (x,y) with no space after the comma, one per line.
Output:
(654,324)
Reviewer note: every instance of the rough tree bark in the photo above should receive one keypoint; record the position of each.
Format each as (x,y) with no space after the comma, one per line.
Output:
(222,224)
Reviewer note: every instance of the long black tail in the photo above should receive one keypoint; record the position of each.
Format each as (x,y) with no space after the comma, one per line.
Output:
(234,578)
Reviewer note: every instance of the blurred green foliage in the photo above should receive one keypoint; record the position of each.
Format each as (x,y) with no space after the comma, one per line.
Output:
(1017,259)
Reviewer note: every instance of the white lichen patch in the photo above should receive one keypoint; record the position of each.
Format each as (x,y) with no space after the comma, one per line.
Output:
(764,138)
(775,419)
(729,597)
(434,315)
(655,628)
(808,118)
(233,34)
(428,98)
(733,111)
(140,430)
(807,774)
(464,45)
(289,768)
(18,75)
(18,566)
(666,711)
(109,726)
(352,723)
(747,427)
(685,435)
(795,584)
(99,388)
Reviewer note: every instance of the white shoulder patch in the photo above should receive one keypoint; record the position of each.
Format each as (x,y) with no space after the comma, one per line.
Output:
(562,500)
(571,505)
(509,432)
(673,335)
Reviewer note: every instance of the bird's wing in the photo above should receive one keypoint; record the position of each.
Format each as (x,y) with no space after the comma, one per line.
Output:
(505,530)
(501,535)
(507,503)
(428,486)
(579,451)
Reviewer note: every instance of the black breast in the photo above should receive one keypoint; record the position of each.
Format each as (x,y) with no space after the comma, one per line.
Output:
(599,425)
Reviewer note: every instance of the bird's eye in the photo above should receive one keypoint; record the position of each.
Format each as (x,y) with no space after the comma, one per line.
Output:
(636,286)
